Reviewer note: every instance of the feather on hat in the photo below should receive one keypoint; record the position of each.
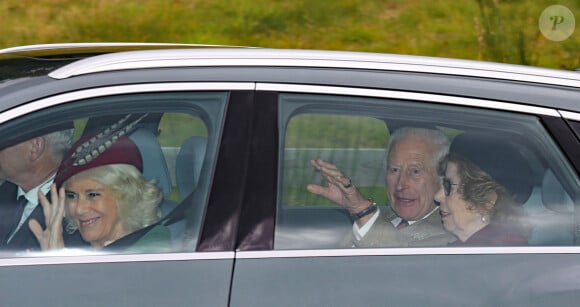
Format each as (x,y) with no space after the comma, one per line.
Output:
(111,146)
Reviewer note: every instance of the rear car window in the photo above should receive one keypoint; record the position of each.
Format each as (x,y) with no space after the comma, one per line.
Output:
(352,134)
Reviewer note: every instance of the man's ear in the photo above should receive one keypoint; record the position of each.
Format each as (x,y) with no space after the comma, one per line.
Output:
(38,147)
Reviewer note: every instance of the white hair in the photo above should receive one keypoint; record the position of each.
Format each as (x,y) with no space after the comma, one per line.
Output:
(432,136)
(59,143)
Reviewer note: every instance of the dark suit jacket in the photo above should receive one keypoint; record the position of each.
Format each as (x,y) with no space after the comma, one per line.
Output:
(428,232)
(24,239)
(8,208)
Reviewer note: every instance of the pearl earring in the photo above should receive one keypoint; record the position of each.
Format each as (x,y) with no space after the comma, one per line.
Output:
(484,219)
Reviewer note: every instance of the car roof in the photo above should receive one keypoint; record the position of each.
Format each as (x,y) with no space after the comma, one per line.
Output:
(41,59)
(102,57)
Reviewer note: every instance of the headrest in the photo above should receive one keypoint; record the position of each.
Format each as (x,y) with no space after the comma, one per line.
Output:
(498,155)
(188,164)
(554,196)
(154,163)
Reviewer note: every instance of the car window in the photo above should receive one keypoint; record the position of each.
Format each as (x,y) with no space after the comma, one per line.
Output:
(352,133)
(175,136)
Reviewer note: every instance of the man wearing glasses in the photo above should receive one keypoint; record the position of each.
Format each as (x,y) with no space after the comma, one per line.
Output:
(413,218)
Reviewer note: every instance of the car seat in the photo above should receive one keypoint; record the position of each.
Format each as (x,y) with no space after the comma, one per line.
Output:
(552,215)
(155,168)
(188,164)
(154,165)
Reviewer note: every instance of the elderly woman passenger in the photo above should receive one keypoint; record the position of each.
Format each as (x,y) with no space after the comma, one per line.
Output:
(106,198)
(476,208)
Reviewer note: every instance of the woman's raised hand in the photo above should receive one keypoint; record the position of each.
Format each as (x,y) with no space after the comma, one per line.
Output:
(51,237)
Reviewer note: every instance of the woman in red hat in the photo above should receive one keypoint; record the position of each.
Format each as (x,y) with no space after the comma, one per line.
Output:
(101,187)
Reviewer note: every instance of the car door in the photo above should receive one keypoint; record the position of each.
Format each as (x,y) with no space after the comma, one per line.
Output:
(306,261)
(189,149)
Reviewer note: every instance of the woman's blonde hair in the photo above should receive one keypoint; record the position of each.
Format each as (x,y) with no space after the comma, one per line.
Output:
(137,198)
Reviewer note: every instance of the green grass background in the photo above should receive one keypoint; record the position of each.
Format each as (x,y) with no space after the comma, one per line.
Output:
(495,30)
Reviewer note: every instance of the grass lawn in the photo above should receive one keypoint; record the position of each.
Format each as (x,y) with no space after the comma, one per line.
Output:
(496,30)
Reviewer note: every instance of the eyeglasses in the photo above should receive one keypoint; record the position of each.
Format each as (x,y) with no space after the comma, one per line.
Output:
(447,184)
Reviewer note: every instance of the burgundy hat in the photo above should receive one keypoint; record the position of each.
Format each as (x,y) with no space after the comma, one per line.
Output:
(111,146)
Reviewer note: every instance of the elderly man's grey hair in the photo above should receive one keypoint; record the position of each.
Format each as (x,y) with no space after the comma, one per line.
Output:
(432,136)
(59,143)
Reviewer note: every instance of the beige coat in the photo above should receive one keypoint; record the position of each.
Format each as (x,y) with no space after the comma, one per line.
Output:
(427,232)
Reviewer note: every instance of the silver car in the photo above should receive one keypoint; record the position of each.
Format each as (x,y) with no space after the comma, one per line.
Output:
(228,138)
